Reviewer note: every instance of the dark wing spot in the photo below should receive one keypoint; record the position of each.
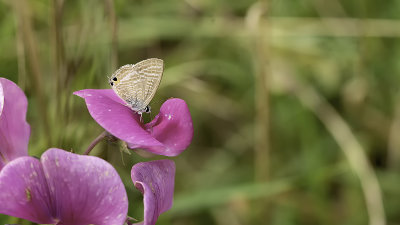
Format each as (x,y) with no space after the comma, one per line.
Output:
(111,83)
(115,79)
(147,109)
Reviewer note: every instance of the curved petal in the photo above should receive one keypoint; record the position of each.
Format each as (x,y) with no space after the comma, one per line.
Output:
(168,134)
(85,189)
(24,192)
(14,130)
(172,126)
(110,112)
(155,180)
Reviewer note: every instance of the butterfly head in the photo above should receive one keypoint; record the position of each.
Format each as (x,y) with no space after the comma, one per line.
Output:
(113,80)
(147,109)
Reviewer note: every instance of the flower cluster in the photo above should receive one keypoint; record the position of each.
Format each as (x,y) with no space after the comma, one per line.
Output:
(71,189)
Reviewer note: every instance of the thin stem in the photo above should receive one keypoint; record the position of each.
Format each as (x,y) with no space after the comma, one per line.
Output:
(25,28)
(110,9)
(394,142)
(262,111)
(60,65)
(95,142)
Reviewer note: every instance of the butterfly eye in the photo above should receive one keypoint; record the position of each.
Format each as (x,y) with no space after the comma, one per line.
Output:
(147,109)
(115,79)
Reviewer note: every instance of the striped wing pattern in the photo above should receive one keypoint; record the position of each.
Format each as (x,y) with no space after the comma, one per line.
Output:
(138,83)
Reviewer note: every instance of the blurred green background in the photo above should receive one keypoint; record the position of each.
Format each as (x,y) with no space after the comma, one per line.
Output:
(295,103)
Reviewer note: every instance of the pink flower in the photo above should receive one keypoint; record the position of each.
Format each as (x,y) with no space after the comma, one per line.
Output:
(63,188)
(70,189)
(156,182)
(14,130)
(169,134)
(66,188)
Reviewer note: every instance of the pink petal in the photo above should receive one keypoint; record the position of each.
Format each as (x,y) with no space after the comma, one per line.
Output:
(14,130)
(155,180)
(85,189)
(172,128)
(24,192)
(63,187)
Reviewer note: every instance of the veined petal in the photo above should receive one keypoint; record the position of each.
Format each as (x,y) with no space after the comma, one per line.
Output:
(172,126)
(85,189)
(168,134)
(14,130)
(110,112)
(24,192)
(155,180)
(63,188)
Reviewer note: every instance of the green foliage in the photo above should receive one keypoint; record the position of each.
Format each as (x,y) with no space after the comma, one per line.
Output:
(216,54)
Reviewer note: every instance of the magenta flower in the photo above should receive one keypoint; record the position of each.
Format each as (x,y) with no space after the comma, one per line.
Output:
(156,182)
(169,134)
(70,189)
(66,188)
(14,130)
(63,188)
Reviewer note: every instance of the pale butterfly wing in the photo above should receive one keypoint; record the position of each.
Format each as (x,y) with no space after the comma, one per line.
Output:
(137,84)
(150,71)
(119,84)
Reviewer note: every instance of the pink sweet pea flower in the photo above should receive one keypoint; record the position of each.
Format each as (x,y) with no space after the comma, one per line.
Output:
(70,189)
(63,188)
(169,134)
(14,130)
(156,182)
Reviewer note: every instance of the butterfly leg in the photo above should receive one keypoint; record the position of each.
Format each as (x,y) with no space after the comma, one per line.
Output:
(141,117)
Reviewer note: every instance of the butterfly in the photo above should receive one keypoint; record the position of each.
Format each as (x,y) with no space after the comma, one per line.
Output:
(137,83)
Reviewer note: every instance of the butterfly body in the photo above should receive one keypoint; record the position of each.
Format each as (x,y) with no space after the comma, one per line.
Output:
(137,83)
